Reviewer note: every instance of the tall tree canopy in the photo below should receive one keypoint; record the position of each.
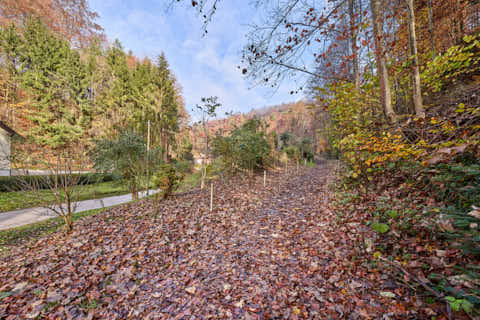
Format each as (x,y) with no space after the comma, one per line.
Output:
(72,19)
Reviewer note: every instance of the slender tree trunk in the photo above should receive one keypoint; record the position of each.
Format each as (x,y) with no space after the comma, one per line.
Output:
(353,36)
(458,20)
(148,158)
(430,27)
(164,146)
(380,52)
(167,145)
(68,217)
(68,223)
(206,155)
(156,205)
(134,190)
(417,89)
(462,19)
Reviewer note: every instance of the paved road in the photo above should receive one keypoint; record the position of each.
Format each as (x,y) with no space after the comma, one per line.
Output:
(22,217)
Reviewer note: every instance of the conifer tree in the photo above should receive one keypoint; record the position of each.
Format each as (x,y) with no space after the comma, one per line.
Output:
(53,73)
(167,120)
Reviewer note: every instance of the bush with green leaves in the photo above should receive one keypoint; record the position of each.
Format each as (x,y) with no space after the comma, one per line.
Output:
(456,62)
(287,138)
(167,178)
(183,166)
(246,148)
(293,153)
(127,156)
(297,148)
(306,149)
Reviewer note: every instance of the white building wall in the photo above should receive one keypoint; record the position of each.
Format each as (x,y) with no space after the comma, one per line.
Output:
(4,150)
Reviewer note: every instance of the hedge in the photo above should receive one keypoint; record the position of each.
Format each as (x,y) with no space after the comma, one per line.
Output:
(16,183)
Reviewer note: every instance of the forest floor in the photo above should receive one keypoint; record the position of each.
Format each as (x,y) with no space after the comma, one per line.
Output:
(279,252)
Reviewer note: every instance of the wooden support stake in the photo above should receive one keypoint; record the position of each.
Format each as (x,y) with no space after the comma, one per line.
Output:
(148,157)
(148,135)
(211,197)
(264,178)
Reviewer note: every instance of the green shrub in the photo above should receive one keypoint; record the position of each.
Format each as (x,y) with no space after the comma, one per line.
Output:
(127,156)
(293,153)
(167,178)
(458,61)
(246,148)
(184,166)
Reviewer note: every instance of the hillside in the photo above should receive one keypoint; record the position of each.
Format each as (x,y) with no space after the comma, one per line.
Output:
(300,119)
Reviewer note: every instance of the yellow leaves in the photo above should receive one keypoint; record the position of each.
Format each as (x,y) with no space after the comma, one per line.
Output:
(460,108)
(296,310)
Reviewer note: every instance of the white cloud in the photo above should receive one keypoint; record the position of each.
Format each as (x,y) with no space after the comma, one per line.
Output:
(204,65)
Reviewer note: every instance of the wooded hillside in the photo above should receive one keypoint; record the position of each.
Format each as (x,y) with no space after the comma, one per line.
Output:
(62,82)
(300,119)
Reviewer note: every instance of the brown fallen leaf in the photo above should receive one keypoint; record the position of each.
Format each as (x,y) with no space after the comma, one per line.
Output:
(191,289)
(475,213)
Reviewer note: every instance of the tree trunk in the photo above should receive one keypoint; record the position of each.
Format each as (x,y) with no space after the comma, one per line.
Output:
(353,39)
(430,27)
(380,52)
(68,216)
(417,89)
(134,191)
(165,157)
(68,223)
(164,146)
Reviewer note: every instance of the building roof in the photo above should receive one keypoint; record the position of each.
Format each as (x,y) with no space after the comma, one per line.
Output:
(9,130)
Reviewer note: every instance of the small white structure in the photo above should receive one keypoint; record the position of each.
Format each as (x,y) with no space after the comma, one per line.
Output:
(6,134)
(201,159)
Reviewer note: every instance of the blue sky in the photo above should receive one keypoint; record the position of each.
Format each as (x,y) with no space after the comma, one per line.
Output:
(204,65)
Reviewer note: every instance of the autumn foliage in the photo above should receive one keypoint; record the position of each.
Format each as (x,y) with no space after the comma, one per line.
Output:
(73,20)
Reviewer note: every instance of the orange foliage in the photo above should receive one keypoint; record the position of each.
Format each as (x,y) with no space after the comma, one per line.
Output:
(452,19)
(73,19)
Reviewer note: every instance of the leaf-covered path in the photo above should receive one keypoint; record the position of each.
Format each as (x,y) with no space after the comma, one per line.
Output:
(263,253)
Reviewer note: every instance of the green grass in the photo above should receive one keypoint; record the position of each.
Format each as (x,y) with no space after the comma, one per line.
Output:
(311,164)
(27,199)
(191,181)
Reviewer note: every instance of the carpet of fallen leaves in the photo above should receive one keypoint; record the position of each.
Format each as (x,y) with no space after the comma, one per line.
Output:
(262,253)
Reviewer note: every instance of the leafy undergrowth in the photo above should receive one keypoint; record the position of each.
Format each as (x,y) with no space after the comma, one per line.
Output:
(416,241)
(278,252)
